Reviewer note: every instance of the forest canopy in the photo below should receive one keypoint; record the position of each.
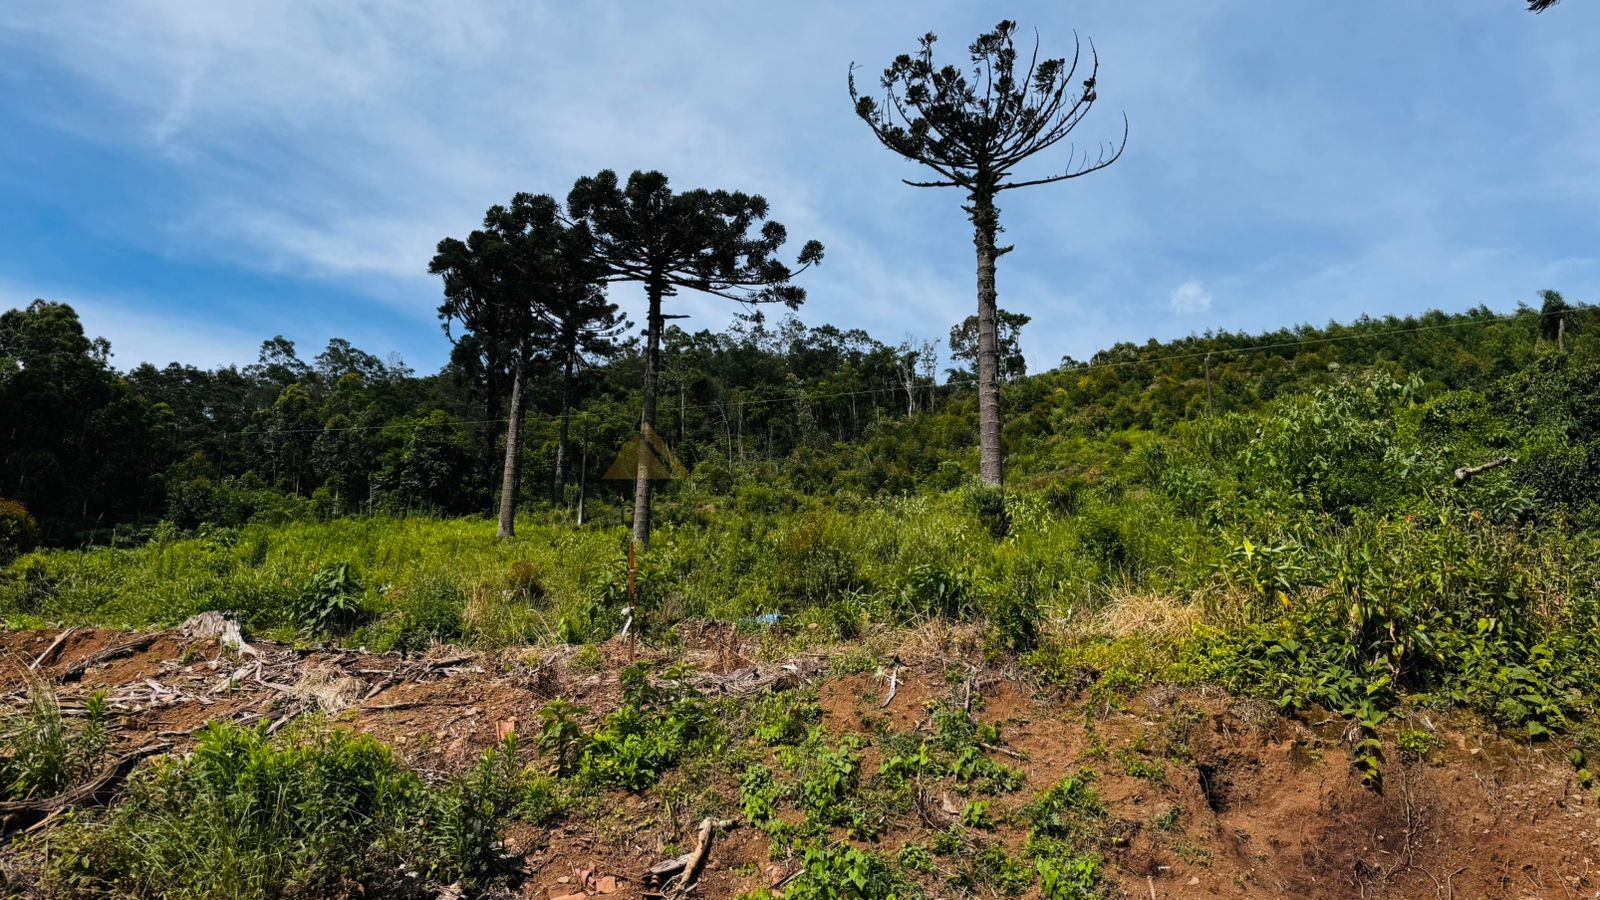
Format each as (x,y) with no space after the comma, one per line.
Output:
(97,455)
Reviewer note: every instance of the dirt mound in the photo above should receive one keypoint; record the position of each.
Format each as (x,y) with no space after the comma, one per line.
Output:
(1204,795)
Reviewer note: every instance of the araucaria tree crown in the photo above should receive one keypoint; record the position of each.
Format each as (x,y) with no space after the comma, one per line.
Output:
(716,242)
(973,128)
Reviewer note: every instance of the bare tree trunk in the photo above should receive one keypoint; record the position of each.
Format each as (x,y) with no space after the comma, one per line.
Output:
(1208,383)
(986,224)
(513,465)
(566,429)
(647,421)
(583,471)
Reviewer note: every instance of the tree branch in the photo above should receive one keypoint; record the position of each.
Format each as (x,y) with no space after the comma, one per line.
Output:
(1467,473)
(1078,173)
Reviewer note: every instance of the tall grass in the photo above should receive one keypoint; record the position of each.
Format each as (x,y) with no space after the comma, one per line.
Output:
(429,580)
(322,813)
(42,753)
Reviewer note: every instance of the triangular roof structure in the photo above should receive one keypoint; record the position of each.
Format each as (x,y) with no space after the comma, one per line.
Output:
(660,464)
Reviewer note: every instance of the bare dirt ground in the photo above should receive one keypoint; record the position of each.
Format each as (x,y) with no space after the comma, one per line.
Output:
(1208,796)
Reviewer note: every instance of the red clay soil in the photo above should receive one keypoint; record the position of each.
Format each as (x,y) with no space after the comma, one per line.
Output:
(1207,796)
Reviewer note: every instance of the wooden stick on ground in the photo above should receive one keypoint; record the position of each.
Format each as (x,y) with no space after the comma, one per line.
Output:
(683,872)
(38,812)
(894,685)
(77,669)
(49,654)
(702,851)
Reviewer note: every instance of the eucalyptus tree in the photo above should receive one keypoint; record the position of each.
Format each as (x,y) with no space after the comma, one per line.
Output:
(973,130)
(715,242)
(1008,333)
(1557,318)
(503,286)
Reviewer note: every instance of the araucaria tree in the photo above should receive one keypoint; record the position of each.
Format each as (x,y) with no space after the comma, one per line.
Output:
(716,242)
(973,130)
(507,286)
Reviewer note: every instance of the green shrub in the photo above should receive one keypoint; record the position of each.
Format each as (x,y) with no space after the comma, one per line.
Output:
(1013,620)
(246,817)
(19,532)
(1069,811)
(654,728)
(847,873)
(42,753)
(1071,877)
(990,506)
(425,613)
(330,603)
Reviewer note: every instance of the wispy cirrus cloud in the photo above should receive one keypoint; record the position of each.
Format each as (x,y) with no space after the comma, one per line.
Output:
(1294,160)
(1190,298)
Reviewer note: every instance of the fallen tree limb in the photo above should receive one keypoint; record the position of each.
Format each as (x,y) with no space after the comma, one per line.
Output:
(758,679)
(76,670)
(894,686)
(682,873)
(414,704)
(702,850)
(995,748)
(39,812)
(1467,473)
(49,654)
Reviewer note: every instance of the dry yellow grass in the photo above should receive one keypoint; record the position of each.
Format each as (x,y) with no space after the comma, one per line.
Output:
(1149,614)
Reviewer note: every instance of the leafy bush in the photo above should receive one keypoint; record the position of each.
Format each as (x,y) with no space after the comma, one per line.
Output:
(19,533)
(1069,811)
(244,817)
(989,504)
(330,603)
(426,613)
(846,873)
(653,729)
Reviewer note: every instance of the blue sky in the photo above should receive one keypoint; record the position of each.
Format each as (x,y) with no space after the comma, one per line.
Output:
(198,176)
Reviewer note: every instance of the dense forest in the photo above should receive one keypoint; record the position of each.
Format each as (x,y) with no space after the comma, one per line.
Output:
(100,456)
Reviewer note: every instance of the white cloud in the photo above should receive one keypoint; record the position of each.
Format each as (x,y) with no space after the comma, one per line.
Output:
(1189,299)
(337,140)
(141,330)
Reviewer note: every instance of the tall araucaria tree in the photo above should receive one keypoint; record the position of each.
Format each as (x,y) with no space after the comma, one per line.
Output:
(715,242)
(503,285)
(973,130)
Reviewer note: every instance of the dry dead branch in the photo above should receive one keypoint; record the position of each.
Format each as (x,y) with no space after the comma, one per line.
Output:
(1467,473)
(752,680)
(678,876)
(37,813)
(76,670)
(49,654)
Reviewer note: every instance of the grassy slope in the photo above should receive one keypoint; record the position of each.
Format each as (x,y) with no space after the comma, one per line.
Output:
(1306,549)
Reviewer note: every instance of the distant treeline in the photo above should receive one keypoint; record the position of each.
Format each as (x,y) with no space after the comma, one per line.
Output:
(87,449)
